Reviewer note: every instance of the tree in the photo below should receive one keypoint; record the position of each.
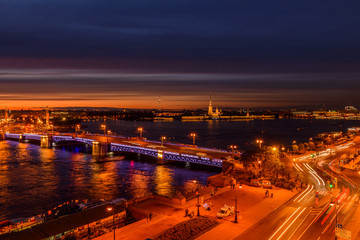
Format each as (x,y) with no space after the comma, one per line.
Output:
(295,148)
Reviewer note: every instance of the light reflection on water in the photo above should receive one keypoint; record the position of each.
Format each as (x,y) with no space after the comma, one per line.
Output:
(34,179)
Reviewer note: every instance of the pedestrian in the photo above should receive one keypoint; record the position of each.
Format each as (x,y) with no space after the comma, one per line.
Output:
(272,195)
(149,216)
(186,212)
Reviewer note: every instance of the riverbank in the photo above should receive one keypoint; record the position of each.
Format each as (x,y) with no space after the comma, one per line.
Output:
(252,206)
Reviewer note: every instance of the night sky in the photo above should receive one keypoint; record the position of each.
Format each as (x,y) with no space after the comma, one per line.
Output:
(125,54)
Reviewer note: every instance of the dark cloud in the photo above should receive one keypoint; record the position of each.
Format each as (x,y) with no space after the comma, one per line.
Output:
(207,30)
(233,90)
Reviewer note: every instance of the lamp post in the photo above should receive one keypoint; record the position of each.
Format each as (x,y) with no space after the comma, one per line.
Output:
(113,214)
(193,135)
(162,141)
(140,130)
(236,209)
(232,149)
(198,197)
(259,141)
(103,126)
(77,128)
(259,162)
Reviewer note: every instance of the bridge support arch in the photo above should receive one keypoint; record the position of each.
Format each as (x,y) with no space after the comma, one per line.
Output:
(160,157)
(45,141)
(99,148)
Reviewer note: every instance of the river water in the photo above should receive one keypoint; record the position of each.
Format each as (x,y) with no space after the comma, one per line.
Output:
(221,134)
(33,180)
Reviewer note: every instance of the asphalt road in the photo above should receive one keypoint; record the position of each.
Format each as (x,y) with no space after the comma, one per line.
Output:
(306,218)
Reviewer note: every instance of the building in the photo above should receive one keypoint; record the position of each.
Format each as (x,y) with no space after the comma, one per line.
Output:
(211,112)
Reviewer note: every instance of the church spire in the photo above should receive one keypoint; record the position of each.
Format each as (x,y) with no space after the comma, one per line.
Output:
(210,111)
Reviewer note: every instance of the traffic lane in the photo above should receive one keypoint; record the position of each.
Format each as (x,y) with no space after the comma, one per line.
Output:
(285,221)
(266,227)
(323,226)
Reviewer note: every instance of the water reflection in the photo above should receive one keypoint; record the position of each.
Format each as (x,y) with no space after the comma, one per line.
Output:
(34,179)
(163,181)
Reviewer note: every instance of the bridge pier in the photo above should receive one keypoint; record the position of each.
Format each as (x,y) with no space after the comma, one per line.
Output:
(160,157)
(44,141)
(99,148)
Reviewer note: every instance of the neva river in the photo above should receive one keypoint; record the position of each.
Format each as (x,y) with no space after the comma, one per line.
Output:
(221,134)
(33,180)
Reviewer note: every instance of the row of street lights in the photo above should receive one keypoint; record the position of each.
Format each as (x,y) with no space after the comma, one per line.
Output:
(140,130)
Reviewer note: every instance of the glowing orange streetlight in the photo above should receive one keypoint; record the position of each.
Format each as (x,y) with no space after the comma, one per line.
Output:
(103,126)
(232,149)
(193,135)
(109,209)
(140,130)
(162,141)
(259,141)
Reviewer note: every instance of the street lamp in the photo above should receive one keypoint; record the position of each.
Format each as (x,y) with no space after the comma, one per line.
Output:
(259,162)
(236,210)
(198,196)
(140,129)
(259,141)
(162,141)
(193,135)
(232,149)
(109,209)
(77,128)
(103,126)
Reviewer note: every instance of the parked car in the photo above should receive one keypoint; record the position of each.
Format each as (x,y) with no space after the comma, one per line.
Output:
(266,184)
(225,211)
(255,183)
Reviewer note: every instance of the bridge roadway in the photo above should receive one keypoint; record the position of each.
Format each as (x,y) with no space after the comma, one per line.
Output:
(170,147)
(163,152)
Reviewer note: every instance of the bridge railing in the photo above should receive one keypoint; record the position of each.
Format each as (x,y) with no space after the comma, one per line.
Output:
(12,135)
(32,136)
(117,147)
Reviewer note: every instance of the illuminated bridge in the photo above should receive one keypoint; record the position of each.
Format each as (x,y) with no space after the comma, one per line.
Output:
(101,145)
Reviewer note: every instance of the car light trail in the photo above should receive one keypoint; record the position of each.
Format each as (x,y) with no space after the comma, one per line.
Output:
(302,193)
(312,186)
(314,172)
(297,167)
(291,223)
(284,223)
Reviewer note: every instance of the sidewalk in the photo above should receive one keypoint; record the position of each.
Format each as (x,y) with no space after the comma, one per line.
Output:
(252,205)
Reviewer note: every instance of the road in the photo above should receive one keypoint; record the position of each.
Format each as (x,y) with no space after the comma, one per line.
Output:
(166,146)
(310,215)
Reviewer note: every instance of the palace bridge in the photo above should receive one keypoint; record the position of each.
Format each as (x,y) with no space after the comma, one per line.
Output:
(101,145)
